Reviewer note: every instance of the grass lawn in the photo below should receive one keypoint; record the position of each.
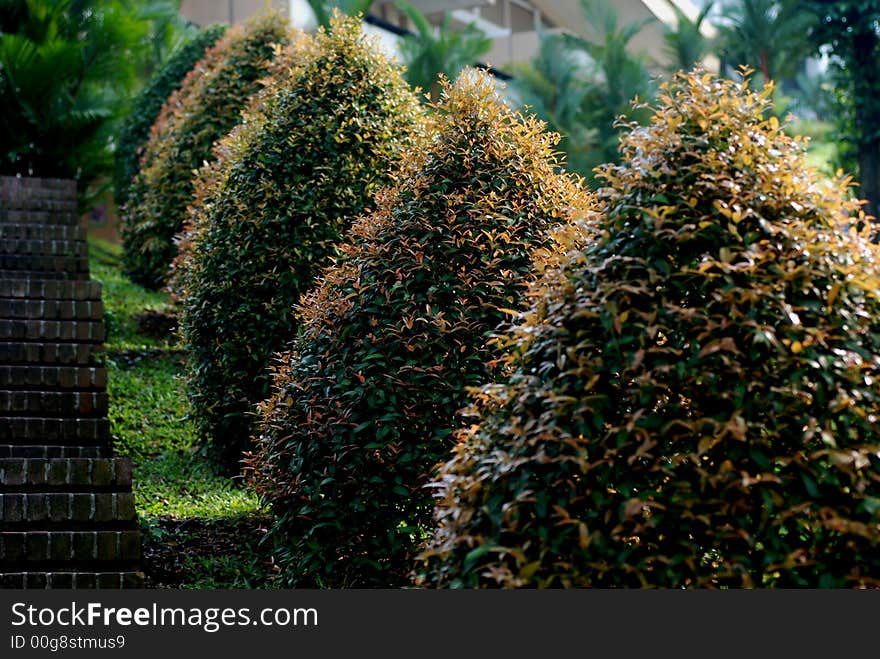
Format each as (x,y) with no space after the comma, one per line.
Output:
(200,530)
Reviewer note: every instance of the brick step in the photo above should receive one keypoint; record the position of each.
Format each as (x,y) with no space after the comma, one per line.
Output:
(18,474)
(12,188)
(66,507)
(11,308)
(35,263)
(72,580)
(48,353)
(44,247)
(40,211)
(60,547)
(36,289)
(53,377)
(41,232)
(45,430)
(54,452)
(53,403)
(28,275)
(77,331)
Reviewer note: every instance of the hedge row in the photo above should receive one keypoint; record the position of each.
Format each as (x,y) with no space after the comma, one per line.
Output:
(325,133)
(205,108)
(693,397)
(146,107)
(393,334)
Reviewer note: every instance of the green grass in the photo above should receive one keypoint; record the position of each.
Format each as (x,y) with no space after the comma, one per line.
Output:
(148,408)
(123,300)
(148,419)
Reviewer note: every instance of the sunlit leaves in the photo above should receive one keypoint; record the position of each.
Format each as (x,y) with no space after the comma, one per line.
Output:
(692,399)
(396,331)
(322,136)
(206,107)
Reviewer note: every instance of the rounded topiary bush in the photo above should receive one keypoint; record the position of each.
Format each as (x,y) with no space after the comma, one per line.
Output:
(326,132)
(364,404)
(693,398)
(135,131)
(205,108)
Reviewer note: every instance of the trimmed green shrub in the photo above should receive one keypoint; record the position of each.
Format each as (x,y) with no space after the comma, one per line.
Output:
(135,131)
(364,404)
(693,398)
(325,133)
(205,108)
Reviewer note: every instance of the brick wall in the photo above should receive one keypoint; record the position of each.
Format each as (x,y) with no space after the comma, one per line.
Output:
(67,517)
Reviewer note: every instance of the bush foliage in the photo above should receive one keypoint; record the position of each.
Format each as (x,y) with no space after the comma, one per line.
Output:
(135,131)
(206,107)
(364,404)
(325,133)
(693,397)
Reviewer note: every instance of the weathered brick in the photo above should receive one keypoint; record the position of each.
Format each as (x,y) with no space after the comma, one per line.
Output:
(60,546)
(124,506)
(61,580)
(84,580)
(12,547)
(123,471)
(84,545)
(37,472)
(54,434)
(37,544)
(13,472)
(12,580)
(37,507)
(58,472)
(23,329)
(62,377)
(42,246)
(11,507)
(129,545)
(40,265)
(102,473)
(80,472)
(59,507)
(50,290)
(19,308)
(43,403)
(109,580)
(103,506)
(36,580)
(107,545)
(41,232)
(132,579)
(82,507)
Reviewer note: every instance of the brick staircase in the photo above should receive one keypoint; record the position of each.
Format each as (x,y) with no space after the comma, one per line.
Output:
(67,517)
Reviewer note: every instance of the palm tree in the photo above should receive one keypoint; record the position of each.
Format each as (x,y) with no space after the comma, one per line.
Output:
(67,71)
(431,52)
(686,44)
(768,35)
(555,86)
(617,76)
(581,85)
(323,9)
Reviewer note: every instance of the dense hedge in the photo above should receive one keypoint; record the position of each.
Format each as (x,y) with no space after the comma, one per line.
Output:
(693,399)
(135,131)
(327,131)
(205,108)
(365,403)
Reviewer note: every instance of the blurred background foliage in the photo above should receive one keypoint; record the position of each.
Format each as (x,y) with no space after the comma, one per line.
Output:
(68,71)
